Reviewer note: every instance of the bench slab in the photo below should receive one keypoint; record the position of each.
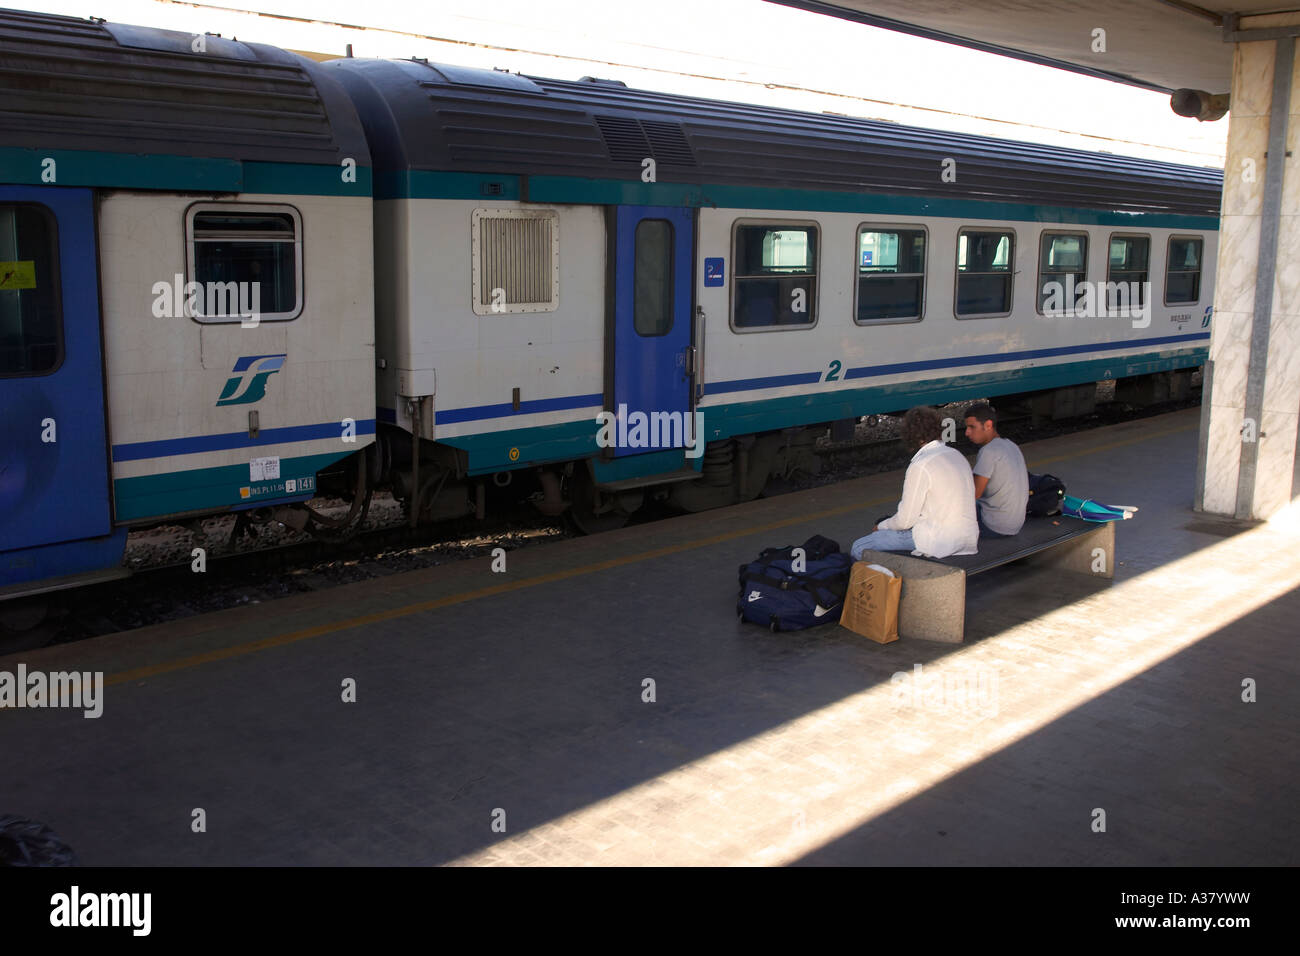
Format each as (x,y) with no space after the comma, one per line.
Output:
(933,602)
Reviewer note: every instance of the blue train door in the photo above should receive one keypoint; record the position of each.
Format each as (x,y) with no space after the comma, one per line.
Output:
(652,326)
(53,453)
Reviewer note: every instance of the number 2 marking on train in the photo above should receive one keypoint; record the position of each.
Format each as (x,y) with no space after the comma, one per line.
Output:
(833,373)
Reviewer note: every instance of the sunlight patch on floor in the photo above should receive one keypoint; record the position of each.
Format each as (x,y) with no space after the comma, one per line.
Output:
(765,801)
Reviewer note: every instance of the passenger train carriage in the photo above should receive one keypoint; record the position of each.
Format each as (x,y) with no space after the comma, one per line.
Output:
(130,166)
(535,266)
(775,271)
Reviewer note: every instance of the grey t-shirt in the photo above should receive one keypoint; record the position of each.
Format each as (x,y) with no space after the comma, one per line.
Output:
(1002,506)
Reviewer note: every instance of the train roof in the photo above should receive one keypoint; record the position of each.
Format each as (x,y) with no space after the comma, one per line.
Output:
(73,84)
(423,116)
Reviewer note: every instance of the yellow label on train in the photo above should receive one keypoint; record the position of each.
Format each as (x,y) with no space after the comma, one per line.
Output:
(18,275)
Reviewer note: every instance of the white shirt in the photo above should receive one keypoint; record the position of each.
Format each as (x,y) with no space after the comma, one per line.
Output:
(938,503)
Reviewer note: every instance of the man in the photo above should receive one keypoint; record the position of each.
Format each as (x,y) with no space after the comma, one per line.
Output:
(1001,480)
(936,517)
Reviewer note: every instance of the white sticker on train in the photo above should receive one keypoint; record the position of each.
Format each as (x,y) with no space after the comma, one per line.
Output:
(263,469)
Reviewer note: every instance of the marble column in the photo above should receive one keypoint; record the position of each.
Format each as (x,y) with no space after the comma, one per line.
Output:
(1253,379)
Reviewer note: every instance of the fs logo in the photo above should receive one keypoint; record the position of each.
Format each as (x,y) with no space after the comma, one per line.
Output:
(248,382)
(1209,310)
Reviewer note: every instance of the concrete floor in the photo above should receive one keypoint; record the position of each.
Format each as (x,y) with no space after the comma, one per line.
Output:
(516,700)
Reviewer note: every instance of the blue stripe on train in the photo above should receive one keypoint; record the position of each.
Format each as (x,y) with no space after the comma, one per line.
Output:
(137,451)
(562,441)
(898,368)
(506,409)
(486,412)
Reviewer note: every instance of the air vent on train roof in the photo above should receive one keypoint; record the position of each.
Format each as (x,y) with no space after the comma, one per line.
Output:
(668,143)
(601,82)
(631,141)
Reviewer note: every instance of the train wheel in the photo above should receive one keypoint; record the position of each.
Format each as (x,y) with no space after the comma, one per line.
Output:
(594,511)
(22,625)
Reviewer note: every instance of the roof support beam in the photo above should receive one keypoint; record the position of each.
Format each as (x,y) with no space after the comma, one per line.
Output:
(1232,33)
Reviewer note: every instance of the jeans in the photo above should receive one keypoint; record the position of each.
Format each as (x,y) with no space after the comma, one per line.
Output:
(883,541)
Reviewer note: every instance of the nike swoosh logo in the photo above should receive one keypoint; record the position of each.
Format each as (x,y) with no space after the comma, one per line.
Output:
(820,611)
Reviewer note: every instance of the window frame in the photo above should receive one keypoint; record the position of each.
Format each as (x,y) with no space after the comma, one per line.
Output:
(817,276)
(300,277)
(1169,245)
(869,226)
(1087,249)
(476,259)
(1011,272)
(52,221)
(1127,235)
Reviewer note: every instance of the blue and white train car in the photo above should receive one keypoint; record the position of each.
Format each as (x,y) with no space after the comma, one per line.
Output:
(186,287)
(206,307)
(548,251)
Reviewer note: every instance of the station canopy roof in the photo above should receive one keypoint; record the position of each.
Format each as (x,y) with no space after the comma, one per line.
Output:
(1158,44)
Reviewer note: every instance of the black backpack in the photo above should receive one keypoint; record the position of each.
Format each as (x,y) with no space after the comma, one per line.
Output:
(1046,493)
(780,598)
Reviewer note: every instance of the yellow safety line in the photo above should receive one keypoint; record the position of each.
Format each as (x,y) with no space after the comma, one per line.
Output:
(1116,444)
(292,637)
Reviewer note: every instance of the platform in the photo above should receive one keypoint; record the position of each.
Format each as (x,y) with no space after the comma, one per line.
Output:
(520,699)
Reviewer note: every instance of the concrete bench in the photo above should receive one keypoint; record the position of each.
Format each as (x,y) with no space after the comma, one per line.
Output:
(933,602)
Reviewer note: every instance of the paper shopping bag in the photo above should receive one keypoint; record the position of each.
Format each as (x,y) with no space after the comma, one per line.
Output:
(871,604)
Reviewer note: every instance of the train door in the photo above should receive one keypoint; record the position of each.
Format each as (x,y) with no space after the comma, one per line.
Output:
(53,453)
(653,252)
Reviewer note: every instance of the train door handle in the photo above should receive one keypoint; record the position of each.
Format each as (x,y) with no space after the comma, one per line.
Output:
(690,359)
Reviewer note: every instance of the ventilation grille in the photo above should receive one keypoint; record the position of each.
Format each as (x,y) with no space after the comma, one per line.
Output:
(668,143)
(631,141)
(626,141)
(515,261)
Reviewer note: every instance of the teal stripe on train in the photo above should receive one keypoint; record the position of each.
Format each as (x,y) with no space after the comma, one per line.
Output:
(166,172)
(525,447)
(522,447)
(170,173)
(419,184)
(514,448)
(212,489)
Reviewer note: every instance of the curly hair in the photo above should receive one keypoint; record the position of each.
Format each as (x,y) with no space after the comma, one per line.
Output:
(921,425)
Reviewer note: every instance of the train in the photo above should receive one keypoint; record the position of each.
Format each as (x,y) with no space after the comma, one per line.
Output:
(236,279)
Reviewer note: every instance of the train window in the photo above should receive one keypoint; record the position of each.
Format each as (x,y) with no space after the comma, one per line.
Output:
(652,308)
(1129,260)
(774,280)
(30,319)
(247,262)
(1183,271)
(984,260)
(1062,265)
(515,260)
(891,275)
